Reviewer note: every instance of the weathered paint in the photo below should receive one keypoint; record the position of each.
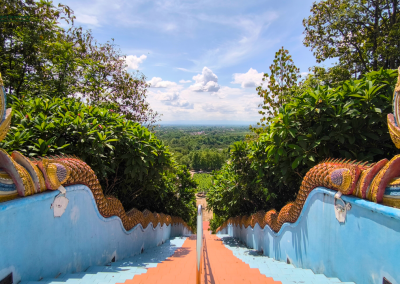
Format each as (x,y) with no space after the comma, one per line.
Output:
(364,249)
(34,244)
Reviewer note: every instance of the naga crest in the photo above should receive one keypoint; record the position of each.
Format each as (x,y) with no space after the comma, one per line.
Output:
(20,176)
(394,119)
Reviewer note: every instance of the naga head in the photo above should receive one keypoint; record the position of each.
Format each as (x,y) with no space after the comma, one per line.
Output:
(55,173)
(19,175)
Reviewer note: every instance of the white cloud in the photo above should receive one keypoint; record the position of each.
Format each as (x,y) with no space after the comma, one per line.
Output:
(217,108)
(228,92)
(207,81)
(168,96)
(87,19)
(172,98)
(304,74)
(170,27)
(251,79)
(157,82)
(182,104)
(186,70)
(185,81)
(133,61)
(177,101)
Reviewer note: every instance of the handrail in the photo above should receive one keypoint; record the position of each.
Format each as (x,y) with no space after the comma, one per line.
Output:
(199,243)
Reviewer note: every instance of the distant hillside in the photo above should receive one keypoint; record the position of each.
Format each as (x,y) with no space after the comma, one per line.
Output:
(201,147)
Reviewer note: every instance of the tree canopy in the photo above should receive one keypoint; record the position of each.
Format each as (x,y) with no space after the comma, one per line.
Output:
(363,34)
(39,57)
(320,122)
(283,77)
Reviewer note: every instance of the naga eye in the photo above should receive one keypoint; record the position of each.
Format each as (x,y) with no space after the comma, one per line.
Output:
(341,178)
(62,173)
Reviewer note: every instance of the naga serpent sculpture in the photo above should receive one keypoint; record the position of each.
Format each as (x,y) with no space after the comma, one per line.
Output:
(378,182)
(20,177)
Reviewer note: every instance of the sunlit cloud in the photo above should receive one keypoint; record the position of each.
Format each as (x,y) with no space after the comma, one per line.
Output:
(251,79)
(133,62)
(207,81)
(157,82)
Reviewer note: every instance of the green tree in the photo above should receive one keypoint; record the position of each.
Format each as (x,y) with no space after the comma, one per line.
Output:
(363,34)
(41,58)
(348,121)
(196,160)
(129,161)
(284,75)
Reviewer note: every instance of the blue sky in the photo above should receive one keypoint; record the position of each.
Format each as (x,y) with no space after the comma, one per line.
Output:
(203,59)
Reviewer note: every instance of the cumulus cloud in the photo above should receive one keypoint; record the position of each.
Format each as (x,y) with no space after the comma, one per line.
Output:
(207,81)
(168,96)
(133,61)
(251,79)
(226,91)
(173,99)
(157,82)
(185,81)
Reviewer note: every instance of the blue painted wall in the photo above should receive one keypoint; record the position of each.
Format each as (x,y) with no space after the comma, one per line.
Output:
(364,249)
(35,245)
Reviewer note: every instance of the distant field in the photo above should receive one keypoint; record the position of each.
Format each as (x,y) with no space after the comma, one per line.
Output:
(204,181)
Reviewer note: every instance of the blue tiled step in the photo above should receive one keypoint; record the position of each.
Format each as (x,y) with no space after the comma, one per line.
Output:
(119,271)
(278,270)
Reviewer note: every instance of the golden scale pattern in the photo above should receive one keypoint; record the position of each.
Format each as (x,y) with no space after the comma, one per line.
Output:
(317,176)
(81,173)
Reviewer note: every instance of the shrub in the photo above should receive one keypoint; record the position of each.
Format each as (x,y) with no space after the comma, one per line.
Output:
(348,121)
(130,162)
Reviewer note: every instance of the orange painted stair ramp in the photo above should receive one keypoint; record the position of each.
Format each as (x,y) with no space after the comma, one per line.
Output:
(220,266)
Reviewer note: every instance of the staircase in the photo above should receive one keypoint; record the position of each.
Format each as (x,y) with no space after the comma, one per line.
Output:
(278,270)
(119,271)
(220,267)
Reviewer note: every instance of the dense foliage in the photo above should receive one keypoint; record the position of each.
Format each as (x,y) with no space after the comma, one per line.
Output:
(130,162)
(363,34)
(206,160)
(39,57)
(204,181)
(348,121)
(201,147)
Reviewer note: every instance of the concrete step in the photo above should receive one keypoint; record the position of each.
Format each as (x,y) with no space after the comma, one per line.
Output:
(278,270)
(119,271)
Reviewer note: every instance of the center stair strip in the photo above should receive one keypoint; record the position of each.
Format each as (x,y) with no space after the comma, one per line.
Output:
(220,266)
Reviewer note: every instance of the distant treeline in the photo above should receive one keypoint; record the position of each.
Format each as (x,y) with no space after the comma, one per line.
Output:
(206,160)
(201,147)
